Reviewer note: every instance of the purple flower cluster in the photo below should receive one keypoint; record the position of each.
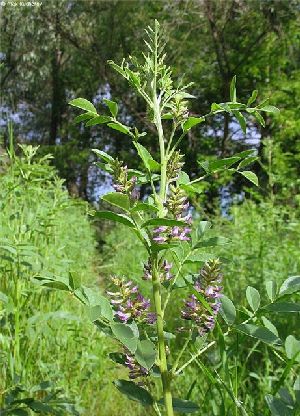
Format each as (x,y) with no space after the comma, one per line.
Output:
(177,205)
(135,369)
(165,274)
(123,184)
(129,303)
(208,285)
(174,166)
(164,234)
(177,202)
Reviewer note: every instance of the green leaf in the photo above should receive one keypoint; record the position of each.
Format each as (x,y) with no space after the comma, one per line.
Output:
(182,406)
(117,68)
(117,357)
(245,153)
(283,307)
(271,288)
(134,392)
(167,116)
(216,108)
(39,407)
(83,117)
(252,98)
(215,165)
(290,285)
(233,89)
(119,127)
(149,162)
(133,78)
(145,353)
(91,295)
(125,334)
(247,161)
(84,104)
(277,407)
(296,388)
(241,120)
(261,333)
(253,298)
(203,227)
(183,178)
(53,281)
(269,109)
(250,176)
(292,347)
(98,120)
(227,311)
(191,122)
(268,324)
(143,206)
(113,107)
(106,157)
(112,216)
(212,242)
(117,199)
(259,118)
(163,221)
(101,310)
(19,412)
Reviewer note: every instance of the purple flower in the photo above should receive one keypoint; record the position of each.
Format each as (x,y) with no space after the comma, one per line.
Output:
(151,318)
(164,272)
(135,369)
(207,285)
(160,239)
(124,317)
(129,303)
(160,229)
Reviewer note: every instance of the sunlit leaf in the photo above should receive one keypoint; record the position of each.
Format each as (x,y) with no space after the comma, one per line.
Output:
(253,298)
(258,332)
(112,216)
(250,176)
(112,105)
(84,104)
(227,311)
(191,122)
(117,199)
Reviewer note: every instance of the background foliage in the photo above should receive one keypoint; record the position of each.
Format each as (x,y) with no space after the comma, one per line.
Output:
(59,51)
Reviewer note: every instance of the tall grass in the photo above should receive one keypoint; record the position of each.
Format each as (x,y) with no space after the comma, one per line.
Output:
(44,336)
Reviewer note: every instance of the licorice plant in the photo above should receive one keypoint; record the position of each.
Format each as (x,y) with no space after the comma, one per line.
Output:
(163,222)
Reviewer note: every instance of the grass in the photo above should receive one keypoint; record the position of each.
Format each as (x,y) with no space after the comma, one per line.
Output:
(46,335)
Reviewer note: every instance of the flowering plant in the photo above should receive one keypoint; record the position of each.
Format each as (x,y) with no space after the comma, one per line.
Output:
(163,223)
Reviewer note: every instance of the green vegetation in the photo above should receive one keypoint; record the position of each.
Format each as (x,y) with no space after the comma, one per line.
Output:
(53,359)
(48,347)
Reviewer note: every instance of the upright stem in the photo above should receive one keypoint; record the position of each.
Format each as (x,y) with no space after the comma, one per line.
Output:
(17,320)
(163,160)
(165,376)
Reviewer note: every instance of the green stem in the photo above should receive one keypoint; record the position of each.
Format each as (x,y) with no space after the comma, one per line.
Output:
(180,354)
(163,159)
(156,284)
(165,376)
(17,320)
